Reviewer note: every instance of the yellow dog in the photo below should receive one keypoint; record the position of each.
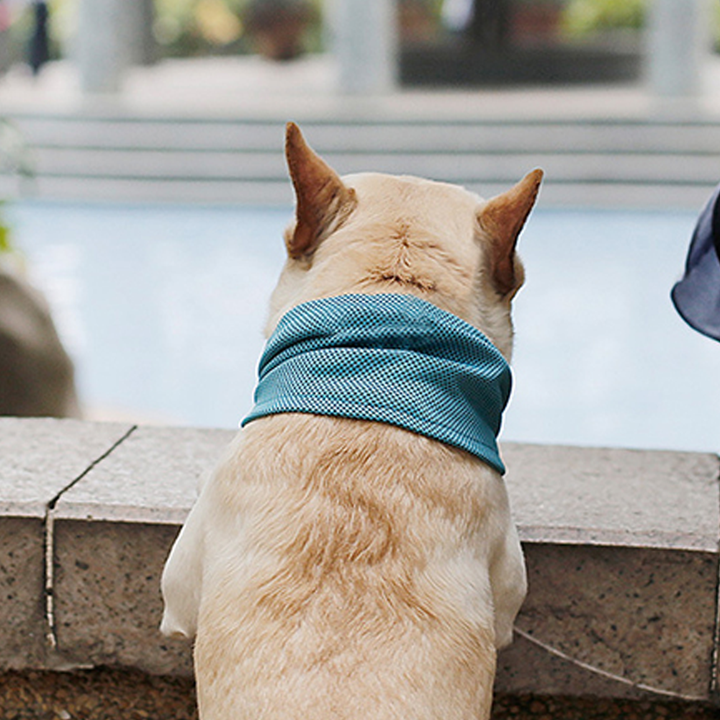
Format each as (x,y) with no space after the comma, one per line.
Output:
(346,568)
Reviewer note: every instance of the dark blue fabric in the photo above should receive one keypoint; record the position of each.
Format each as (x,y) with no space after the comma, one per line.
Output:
(697,295)
(388,358)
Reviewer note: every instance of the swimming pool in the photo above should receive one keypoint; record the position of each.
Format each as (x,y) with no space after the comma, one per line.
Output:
(162,308)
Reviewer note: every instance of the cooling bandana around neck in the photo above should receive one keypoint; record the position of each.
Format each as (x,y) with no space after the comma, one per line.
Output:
(389,358)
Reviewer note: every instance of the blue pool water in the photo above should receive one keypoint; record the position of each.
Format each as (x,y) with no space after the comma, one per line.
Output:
(162,308)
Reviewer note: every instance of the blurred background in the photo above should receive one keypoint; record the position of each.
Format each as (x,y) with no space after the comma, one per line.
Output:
(145,190)
(434,42)
(183,28)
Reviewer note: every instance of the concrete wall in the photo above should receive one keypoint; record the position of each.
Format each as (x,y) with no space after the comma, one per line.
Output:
(621,545)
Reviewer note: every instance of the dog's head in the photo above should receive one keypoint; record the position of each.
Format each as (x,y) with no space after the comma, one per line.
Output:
(373,233)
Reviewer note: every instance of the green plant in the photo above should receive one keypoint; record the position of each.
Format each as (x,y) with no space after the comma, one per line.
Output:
(5,244)
(715,26)
(213,27)
(583,17)
(14,161)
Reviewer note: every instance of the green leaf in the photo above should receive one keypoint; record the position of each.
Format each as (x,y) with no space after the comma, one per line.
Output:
(5,244)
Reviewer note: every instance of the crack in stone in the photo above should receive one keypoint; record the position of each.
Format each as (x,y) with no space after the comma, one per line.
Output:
(49,590)
(50,634)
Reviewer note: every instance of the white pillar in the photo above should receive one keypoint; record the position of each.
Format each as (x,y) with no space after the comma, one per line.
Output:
(139,31)
(365,44)
(677,46)
(112,35)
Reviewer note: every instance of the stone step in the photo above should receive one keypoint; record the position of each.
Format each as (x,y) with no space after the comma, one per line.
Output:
(186,159)
(493,136)
(464,168)
(279,192)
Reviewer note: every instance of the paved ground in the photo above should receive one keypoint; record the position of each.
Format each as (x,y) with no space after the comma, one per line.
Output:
(105,694)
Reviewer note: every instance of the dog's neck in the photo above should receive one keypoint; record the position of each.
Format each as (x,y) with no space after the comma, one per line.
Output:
(346,265)
(387,358)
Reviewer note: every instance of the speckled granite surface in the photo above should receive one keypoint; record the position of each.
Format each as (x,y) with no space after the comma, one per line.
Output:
(621,549)
(642,614)
(614,497)
(151,477)
(41,458)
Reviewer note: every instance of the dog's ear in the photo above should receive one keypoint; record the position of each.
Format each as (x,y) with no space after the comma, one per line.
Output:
(320,194)
(502,218)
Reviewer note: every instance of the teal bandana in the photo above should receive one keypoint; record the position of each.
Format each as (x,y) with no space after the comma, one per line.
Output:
(388,358)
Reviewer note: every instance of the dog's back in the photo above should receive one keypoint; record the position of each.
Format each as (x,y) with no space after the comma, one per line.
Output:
(365,589)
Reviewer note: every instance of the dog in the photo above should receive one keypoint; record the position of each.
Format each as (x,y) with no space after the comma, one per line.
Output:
(344,567)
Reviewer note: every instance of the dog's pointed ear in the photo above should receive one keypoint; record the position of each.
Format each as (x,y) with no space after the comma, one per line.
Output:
(502,218)
(319,194)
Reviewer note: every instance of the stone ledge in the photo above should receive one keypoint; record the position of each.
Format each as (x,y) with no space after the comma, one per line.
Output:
(621,545)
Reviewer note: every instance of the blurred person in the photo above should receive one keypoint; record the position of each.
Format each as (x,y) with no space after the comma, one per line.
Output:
(697,295)
(39,46)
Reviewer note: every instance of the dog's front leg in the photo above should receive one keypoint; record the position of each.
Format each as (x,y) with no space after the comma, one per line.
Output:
(182,576)
(508,582)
